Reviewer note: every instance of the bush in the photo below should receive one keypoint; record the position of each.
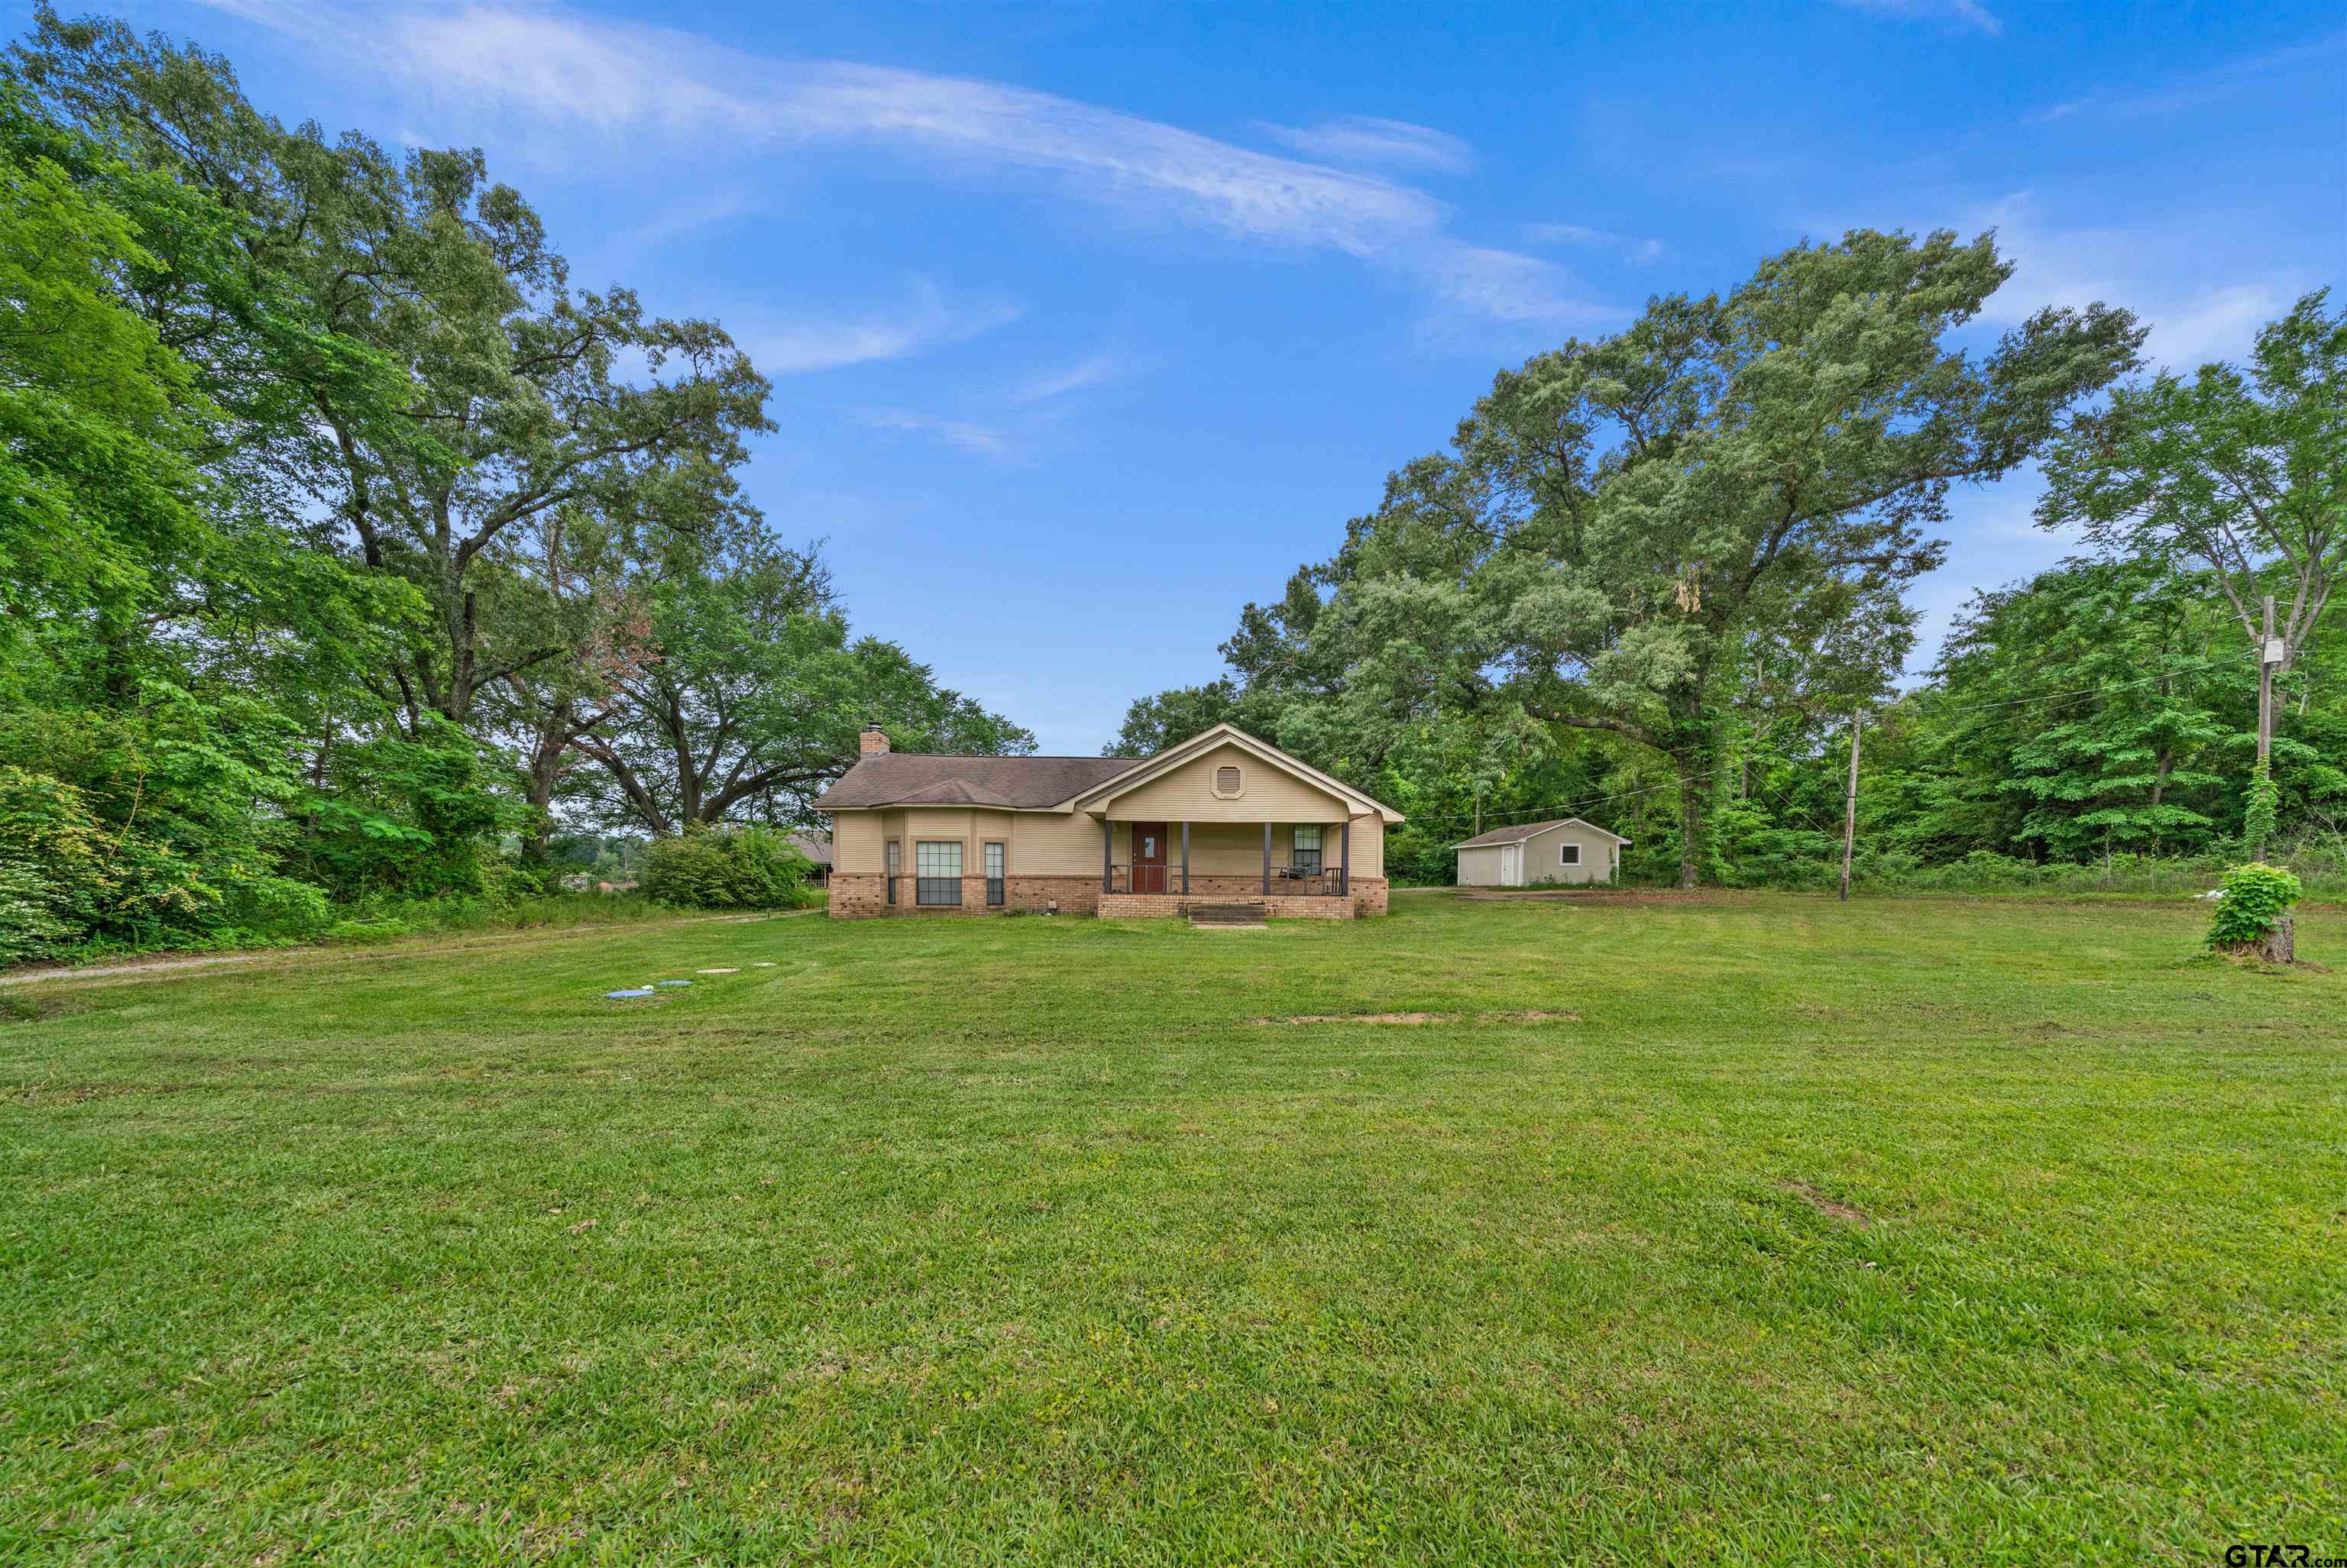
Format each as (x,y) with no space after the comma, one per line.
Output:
(2256,898)
(725,868)
(53,880)
(29,927)
(279,907)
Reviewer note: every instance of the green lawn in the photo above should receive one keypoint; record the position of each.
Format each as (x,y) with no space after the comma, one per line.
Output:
(1908,1230)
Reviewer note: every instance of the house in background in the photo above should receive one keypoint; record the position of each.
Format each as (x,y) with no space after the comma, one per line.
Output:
(817,850)
(1567,850)
(1221,818)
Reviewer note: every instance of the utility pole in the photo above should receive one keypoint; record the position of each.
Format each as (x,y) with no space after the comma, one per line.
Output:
(2269,656)
(1850,803)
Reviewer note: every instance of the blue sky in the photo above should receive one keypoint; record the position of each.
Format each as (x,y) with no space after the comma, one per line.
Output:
(1089,323)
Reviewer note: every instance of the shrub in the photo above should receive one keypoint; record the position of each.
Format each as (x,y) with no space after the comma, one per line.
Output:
(29,928)
(53,881)
(2256,898)
(271,906)
(725,868)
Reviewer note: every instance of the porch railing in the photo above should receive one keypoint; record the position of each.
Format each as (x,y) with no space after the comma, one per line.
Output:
(1286,881)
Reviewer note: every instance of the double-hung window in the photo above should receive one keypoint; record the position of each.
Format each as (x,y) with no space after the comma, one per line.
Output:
(895,867)
(936,871)
(1304,849)
(994,876)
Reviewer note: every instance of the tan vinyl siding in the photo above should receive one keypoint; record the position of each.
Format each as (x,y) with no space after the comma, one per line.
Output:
(1480,868)
(1269,793)
(1049,844)
(856,842)
(1235,848)
(1543,860)
(1224,849)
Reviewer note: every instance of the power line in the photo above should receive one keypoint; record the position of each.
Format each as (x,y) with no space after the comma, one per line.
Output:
(1576,808)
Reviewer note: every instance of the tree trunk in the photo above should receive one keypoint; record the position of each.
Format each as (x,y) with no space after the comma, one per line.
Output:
(544,772)
(2281,944)
(1691,826)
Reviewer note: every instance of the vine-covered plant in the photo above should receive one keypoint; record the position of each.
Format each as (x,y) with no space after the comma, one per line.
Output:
(2258,820)
(2256,898)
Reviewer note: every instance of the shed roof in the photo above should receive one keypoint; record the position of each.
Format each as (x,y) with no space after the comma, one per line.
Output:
(1517,833)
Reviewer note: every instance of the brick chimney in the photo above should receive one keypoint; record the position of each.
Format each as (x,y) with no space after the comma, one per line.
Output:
(873,742)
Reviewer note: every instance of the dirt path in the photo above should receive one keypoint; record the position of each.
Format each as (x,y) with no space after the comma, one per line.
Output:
(163,967)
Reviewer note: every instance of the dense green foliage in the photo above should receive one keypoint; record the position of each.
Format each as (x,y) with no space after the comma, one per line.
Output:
(349,553)
(751,868)
(1589,607)
(1908,1232)
(2257,898)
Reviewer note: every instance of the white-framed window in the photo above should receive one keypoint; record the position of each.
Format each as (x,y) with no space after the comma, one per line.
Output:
(1229,782)
(936,871)
(1568,854)
(994,874)
(1304,847)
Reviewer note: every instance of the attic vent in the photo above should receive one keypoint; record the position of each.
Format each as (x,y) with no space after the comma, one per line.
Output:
(1226,780)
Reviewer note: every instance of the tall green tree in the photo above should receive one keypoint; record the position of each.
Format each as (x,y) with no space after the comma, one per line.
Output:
(2240,476)
(1173,716)
(1624,524)
(752,692)
(525,396)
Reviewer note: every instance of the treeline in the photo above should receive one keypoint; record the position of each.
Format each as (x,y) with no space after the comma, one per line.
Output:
(354,559)
(1655,577)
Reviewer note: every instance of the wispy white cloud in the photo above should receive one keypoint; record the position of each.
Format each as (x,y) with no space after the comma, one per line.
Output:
(703,210)
(1959,13)
(924,320)
(2192,91)
(962,435)
(1630,246)
(2159,274)
(573,76)
(1105,366)
(1366,139)
(1507,287)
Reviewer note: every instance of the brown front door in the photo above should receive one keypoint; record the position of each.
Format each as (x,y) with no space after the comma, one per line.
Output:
(1149,857)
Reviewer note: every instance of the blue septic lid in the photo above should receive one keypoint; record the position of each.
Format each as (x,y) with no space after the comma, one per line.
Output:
(646,990)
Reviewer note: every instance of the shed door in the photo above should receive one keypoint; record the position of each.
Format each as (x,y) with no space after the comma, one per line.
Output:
(1512,865)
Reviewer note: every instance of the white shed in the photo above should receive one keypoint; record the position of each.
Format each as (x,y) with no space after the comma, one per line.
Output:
(1567,850)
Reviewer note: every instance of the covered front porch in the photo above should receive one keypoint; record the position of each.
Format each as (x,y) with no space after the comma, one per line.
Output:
(1182,860)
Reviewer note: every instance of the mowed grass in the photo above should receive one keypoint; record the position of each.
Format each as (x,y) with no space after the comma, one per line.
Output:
(1906,1231)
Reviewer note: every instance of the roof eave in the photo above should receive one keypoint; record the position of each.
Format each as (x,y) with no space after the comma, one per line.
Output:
(1132,778)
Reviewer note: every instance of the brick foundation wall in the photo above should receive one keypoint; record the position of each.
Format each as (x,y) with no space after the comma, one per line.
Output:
(863,897)
(1132,906)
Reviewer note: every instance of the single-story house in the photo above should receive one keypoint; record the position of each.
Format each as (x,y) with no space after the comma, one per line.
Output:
(1221,818)
(816,849)
(1566,849)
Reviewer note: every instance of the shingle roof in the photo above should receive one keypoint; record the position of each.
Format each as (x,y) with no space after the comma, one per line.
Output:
(1014,783)
(814,849)
(1517,833)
